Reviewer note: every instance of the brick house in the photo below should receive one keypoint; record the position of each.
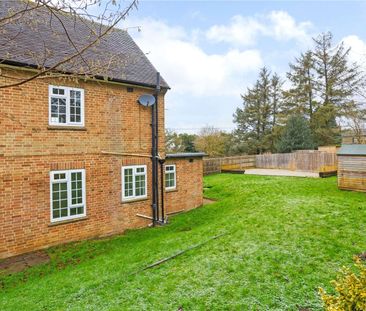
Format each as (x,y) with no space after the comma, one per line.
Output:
(75,154)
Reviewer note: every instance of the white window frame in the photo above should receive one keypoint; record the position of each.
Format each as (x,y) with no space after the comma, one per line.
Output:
(66,96)
(134,174)
(69,194)
(175,176)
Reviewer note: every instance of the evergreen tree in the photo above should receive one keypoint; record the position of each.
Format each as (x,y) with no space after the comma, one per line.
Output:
(183,142)
(325,128)
(257,120)
(300,98)
(296,135)
(338,81)
(276,95)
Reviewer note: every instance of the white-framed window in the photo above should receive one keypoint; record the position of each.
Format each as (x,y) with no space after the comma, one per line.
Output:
(66,106)
(67,194)
(134,184)
(170,177)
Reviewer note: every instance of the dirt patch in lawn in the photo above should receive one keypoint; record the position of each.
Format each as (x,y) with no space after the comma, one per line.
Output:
(21,262)
(208,201)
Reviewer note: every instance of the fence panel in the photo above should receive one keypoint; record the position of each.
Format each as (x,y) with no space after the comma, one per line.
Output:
(308,161)
(216,165)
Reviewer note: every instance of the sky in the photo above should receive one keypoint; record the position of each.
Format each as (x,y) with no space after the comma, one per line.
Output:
(209,52)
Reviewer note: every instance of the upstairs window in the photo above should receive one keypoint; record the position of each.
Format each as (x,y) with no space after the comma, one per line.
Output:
(66,106)
(170,177)
(67,194)
(134,185)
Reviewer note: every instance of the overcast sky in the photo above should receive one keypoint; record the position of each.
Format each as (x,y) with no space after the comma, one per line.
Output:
(210,51)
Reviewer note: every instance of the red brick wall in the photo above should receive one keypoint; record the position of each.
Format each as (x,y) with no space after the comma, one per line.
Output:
(29,150)
(189,191)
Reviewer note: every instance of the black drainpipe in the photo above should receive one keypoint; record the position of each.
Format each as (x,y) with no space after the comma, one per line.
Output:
(162,173)
(154,154)
(157,91)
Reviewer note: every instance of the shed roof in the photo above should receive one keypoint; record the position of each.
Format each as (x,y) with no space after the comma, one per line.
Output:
(186,155)
(352,150)
(39,39)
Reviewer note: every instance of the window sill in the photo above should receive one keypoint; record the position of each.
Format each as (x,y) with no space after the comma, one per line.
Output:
(66,127)
(171,190)
(67,221)
(126,201)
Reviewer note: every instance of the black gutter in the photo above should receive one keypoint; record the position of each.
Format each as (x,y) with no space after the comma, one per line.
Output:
(105,79)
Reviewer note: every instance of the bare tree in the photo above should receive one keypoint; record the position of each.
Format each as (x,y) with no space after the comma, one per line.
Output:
(212,141)
(356,122)
(61,38)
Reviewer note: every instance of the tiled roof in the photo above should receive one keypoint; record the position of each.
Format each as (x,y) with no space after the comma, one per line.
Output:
(28,43)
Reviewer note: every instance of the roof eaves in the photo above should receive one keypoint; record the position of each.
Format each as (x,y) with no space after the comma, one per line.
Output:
(34,67)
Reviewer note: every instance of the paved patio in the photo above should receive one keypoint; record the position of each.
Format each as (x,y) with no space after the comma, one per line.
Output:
(276,172)
(21,262)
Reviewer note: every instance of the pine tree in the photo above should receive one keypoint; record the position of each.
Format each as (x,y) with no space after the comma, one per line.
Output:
(338,81)
(300,98)
(249,120)
(296,135)
(276,96)
(257,120)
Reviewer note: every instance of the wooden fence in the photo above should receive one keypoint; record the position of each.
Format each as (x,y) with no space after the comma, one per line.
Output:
(216,165)
(307,160)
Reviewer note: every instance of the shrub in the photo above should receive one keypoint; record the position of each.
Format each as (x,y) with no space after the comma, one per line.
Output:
(350,289)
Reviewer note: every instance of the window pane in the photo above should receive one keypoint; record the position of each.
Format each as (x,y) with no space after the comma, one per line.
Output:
(75,104)
(73,211)
(76,188)
(58,91)
(170,179)
(140,185)
(58,110)
(128,182)
(60,190)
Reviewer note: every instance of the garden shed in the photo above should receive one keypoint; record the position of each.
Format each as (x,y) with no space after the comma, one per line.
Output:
(352,167)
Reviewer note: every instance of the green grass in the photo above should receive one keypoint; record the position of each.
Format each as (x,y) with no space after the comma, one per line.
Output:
(285,237)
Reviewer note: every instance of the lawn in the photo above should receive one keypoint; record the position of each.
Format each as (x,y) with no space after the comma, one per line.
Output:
(284,237)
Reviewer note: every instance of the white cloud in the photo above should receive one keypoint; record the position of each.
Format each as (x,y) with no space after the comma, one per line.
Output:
(358,49)
(245,31)
(241,31)
(206,86)
(188,68)
(284,27)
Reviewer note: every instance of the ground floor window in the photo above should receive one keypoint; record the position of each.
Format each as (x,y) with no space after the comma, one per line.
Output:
(67,194)
(170,177)
(134,185)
